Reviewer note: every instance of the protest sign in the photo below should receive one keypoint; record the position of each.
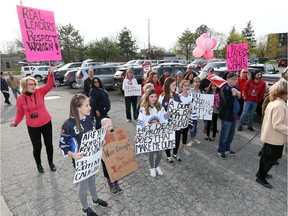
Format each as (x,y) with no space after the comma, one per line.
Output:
(180,112)
(217,80)
(202,106)
(146,66)
(155,137)
(237,56)
(118,154)
(132,90)
(91,146)
(39,34)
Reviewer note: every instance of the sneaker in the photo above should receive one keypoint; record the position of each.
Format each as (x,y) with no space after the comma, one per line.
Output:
(222,155)
(119,190)
(113,190)
(128,120)
(197,141)
(153,172)
(159,171)
(240,128)
(100,202)
(177,158)
(251,128)
(170,160)
(230,152)
(190,143)
(89,212)
(186,152)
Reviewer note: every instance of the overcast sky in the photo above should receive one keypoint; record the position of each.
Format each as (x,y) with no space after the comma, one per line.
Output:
(168,19)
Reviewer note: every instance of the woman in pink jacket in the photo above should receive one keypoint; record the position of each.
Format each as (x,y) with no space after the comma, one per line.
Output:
(274,130)
(31,105)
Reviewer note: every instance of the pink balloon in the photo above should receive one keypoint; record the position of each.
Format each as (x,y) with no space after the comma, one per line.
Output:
(214,42)
(199,42)
(208,54)
(198,52)
(207,44)
(205,35)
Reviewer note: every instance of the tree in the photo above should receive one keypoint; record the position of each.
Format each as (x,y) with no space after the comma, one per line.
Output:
(200,30)
(71,43)
(233,38)
(126,44)
(154,52)
(272,46)
(186,43)
(233,30)
(221,42)
(102,49)
(261,46)
(249,34)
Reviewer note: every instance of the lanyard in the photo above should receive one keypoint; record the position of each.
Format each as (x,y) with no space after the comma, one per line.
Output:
(27,103)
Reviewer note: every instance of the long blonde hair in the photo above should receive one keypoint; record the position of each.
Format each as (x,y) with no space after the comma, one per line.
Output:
(145,103)
(23,83)
(279,89)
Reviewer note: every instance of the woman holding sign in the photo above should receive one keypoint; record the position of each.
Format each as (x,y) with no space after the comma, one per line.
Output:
(152,113)
(130,100)
(73,129)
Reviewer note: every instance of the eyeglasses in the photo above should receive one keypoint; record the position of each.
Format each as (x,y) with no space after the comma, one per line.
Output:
(31,84)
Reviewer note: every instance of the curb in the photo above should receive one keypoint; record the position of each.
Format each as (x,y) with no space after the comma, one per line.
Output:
(5,211)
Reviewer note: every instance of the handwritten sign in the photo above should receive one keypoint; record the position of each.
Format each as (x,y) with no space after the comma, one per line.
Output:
(217,80)
(91,146)
(180,112)
(118,154)
(39,34)
(132,90)
(237,56)
(202,106)
(155,137)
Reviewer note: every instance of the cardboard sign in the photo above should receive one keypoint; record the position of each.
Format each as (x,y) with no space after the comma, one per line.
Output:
(155,137)
(118,154)
(39,34)
(180,112)
(237,56)
(91,146)
(217,80)
(202,106)
(132,90)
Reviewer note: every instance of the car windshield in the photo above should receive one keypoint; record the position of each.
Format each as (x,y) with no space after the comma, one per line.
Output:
(214,65)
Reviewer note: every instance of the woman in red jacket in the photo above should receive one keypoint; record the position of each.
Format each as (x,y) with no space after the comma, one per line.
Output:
(153,78)
(31,105)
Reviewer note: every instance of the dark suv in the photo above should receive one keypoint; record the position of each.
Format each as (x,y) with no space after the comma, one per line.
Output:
(173,68)
(58,76)
(70,78)
(120,74)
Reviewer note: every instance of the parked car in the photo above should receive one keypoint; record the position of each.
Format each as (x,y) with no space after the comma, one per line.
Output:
(220,66)
(265,68)
(261,60)
(39,72)
(283,62)
(26,70)
(120,74)
(58,76)
(173,68)
(70,66)
(88,64)
(70,78)
(105,73)
(199,63)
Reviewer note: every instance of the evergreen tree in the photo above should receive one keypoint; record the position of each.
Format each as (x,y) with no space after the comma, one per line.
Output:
(126,44)
(186,43)
(200,30)
(249,34)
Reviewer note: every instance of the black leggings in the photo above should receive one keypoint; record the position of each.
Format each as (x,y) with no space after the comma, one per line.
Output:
(128,101)
(35,137)
(177,143)
(214,125)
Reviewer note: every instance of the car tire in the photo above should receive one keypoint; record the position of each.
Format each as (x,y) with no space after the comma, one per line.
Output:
(38,78)
(57,83)
(73,85)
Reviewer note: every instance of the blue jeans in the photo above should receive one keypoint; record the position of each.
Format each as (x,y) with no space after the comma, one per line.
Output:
(193,128)
(248,109)
(16,92)
(226,135)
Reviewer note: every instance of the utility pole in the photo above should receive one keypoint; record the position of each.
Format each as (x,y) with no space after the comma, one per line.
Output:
(148,33)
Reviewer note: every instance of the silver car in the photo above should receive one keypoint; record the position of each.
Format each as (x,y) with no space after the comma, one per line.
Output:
(104,73)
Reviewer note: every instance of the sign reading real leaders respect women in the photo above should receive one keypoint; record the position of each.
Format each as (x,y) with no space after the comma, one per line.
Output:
(118,154)
(132,90)
(39,34)
(91,146)
(155,137)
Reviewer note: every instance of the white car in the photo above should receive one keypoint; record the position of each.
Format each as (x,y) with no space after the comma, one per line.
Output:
(26,71)
(218,66)
(39,72)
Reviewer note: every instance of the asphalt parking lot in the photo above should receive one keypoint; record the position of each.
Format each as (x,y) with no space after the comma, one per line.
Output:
(202,184)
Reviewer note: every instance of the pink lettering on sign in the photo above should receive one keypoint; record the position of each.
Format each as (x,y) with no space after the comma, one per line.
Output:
(237,56)
(39,34)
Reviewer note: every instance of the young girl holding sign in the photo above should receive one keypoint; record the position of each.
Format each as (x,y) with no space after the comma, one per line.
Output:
(152,113)
(185,98)
(130,81)
(73,129)
(169,93)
